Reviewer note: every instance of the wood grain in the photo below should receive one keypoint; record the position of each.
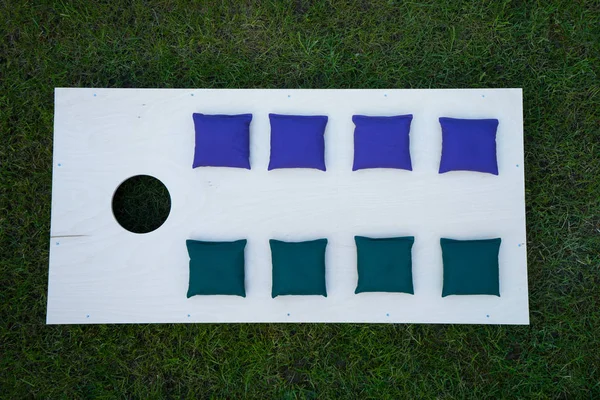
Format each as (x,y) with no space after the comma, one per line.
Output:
(101,273)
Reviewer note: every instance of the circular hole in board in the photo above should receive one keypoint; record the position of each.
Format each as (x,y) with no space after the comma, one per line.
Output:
(141,204)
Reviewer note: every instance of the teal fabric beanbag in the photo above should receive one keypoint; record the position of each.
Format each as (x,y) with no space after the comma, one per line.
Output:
(216,268)
(470,266)
(298,267)
(384,265)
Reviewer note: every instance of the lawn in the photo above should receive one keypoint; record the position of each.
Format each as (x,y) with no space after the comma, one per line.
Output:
(549,48)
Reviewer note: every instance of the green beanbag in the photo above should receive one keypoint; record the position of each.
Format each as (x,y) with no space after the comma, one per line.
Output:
(384,265)
(470,266)
(216,268)
(298,267)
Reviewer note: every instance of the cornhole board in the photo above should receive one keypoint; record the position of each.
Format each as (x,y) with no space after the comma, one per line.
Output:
(101,273)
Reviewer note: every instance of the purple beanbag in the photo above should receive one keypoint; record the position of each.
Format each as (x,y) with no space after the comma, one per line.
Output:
(469,145)
(297,141)
(222,140)
(382,142)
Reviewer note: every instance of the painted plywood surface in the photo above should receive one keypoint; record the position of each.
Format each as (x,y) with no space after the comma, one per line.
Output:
(101,273)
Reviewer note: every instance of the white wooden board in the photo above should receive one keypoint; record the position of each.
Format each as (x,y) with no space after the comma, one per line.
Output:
(101,273)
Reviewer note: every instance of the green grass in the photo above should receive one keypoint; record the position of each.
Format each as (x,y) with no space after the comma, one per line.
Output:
(550,48)
(141,204)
